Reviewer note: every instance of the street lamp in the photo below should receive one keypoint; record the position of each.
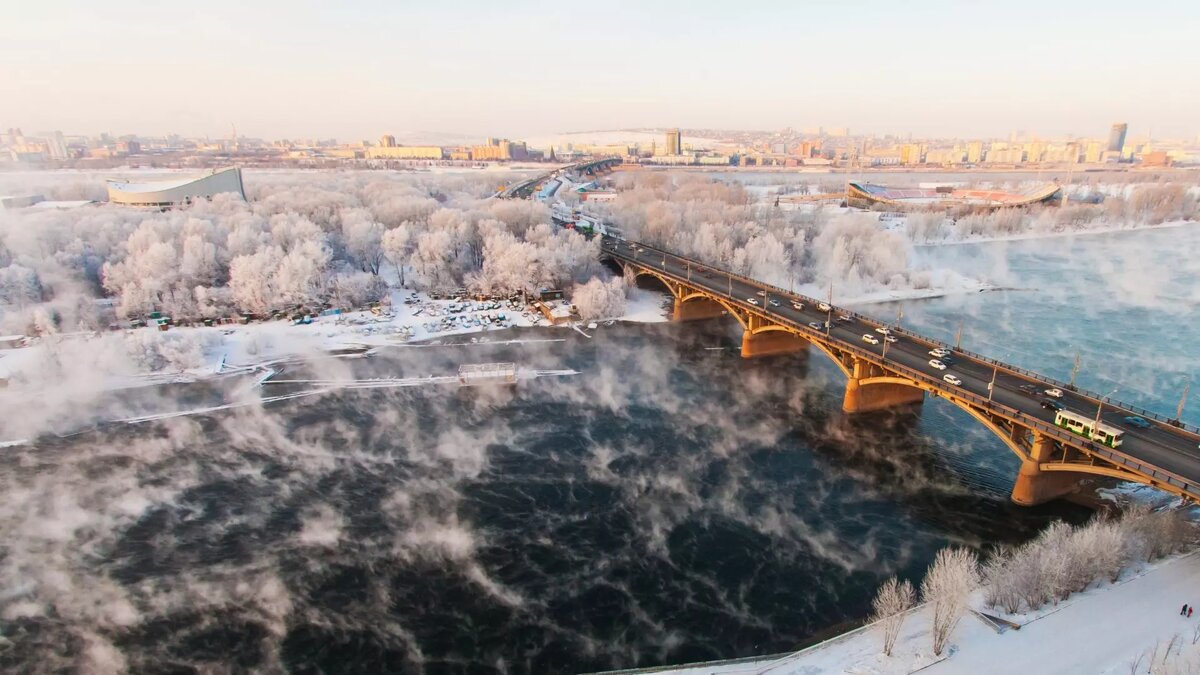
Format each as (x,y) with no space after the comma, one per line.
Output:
(992,384)
(1099,409)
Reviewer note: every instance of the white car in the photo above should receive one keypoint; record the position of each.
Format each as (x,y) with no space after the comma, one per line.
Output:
(891,338)
(762,293)
(797,306)
(870,339)
(952,379)
(883,330)
(844,317)
(753,301)
(939,352)
(823,306)
(814,325)
(774,303)
(1055,392)
(937,364)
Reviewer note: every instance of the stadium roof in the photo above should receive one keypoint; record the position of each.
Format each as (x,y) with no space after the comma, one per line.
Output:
(176,191)
(870,193)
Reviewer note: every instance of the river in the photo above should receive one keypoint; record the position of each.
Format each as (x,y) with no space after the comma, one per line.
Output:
(671,503)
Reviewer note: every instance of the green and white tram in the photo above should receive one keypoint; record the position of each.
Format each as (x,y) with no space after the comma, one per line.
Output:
(1081,425)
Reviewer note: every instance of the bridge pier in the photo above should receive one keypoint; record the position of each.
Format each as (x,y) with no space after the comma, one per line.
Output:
(696,309)
(862,395)
(1034,486)
(771,343)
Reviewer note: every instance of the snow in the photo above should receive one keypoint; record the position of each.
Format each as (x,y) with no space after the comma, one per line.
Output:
(1102,630)
(645,306)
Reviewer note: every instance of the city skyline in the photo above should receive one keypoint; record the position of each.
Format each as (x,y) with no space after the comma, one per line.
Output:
(478,69)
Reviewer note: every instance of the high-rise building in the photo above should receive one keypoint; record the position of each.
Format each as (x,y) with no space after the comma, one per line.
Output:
(1116,137)
(387,141)
(58,145)
(975,152)
(674,143)
(1093,152)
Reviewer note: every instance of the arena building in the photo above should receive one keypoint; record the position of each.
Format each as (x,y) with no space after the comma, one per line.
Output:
(176,192)
(866,195)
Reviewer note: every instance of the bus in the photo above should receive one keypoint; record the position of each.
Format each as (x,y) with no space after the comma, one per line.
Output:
(1081,425)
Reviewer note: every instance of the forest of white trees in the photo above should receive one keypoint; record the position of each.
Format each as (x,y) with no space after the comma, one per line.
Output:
(723,225)
(307,240)
(340,239)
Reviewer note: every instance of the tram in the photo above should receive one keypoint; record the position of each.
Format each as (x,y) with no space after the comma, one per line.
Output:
(1081,425)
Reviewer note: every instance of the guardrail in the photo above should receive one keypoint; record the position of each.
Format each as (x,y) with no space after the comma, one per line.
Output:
(1119,406)
(1192,488)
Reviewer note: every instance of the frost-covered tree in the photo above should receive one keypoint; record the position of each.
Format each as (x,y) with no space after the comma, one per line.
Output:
(598,299)
(890,608)
(946,587)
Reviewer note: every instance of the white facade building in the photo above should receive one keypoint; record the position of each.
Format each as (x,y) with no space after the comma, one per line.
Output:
(178,192)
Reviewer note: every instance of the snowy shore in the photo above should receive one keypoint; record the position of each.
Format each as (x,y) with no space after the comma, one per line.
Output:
(1106,629)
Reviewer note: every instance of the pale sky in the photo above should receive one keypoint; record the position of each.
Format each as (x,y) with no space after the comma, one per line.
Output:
(509,68)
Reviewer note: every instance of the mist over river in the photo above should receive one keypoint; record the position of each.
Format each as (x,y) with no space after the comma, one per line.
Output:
(671,503)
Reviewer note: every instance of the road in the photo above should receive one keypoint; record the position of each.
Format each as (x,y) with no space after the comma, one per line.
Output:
(1162,445)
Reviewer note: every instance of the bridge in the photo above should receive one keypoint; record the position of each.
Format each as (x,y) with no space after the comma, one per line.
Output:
(524,189)
(881,374)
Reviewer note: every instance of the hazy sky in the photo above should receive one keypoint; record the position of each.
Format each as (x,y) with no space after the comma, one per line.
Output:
(298,68)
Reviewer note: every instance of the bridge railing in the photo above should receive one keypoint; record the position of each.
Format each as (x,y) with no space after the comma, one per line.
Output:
(1029,374)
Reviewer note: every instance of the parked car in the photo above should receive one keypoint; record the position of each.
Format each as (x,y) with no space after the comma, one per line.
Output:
(870,339)
(952,379)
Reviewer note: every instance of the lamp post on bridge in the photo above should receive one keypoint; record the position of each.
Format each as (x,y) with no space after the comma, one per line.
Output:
(1100,409)
(992,384)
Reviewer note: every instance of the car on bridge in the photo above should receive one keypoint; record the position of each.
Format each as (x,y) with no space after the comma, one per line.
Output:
(797,306)
(824,306)
(753,301)
(934,363)
(952,380)
(774,303)
(891,338)
(761,294)
(870,339)
(1051,404)
(844,318)
(1139,422)
(1055,392)
(884,330)
(815,325)
(939,352)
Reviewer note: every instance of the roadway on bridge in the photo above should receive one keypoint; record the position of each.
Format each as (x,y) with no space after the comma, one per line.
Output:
(1163,446)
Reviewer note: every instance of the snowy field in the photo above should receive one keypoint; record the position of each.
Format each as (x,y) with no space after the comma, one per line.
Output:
(1104,630)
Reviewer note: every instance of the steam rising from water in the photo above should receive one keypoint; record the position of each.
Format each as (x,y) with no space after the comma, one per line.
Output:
(674,503)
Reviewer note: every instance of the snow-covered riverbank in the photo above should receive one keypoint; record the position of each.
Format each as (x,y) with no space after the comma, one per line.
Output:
(1106,629)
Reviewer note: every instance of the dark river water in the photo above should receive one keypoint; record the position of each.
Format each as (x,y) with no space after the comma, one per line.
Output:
(671,503)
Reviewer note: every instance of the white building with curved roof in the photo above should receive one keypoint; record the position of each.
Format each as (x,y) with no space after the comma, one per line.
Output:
(176,192)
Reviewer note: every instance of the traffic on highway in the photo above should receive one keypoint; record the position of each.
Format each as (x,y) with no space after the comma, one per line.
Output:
(1162,445)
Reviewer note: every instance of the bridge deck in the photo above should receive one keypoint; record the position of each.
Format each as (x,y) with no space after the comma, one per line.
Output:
(1166,451)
